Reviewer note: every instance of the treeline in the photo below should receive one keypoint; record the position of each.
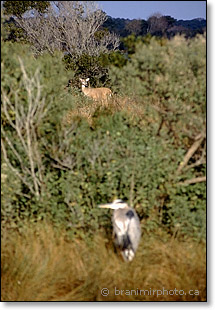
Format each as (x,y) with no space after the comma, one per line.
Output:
(156,25)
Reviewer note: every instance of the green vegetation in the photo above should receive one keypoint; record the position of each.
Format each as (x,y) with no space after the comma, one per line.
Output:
(84,153)
(17,8)
(63,154)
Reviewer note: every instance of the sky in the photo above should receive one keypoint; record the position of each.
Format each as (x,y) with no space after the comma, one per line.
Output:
(143,9)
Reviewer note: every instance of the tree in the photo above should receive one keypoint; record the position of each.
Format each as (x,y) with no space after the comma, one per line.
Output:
(170,20)
(134,26)
(157,24)
(18,8)
(15,9)
(144,27)
(69,26)
(21,148)
(172,31)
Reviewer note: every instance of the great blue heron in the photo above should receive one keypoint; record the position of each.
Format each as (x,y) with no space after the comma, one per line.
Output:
(126,228)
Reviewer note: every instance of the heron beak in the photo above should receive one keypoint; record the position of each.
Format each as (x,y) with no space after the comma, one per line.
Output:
(106,205)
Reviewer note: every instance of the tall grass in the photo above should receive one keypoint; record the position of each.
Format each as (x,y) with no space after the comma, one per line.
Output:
(44,265)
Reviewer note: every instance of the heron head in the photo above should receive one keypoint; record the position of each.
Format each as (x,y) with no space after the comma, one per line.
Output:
(116,204)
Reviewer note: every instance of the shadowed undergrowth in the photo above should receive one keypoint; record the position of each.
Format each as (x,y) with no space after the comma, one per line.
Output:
(44,265)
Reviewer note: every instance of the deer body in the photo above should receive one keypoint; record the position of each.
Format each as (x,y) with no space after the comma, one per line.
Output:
(97,94)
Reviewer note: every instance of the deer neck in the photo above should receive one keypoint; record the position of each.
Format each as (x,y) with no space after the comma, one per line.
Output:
(84,89)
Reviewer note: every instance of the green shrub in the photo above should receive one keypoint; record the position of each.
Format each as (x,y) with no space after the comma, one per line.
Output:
(133,149)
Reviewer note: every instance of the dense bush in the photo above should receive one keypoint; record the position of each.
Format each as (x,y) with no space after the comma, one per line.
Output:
(147,148)
(170,78)
(94,67)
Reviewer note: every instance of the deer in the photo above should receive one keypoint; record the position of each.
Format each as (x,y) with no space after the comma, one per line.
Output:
(97,94)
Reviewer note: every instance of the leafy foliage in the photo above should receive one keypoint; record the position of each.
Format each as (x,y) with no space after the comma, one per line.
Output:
(143,147)
(18,8)
(94,67)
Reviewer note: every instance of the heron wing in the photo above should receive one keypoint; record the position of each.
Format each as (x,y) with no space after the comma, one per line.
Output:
(134,231)
(120,221)
(126,227)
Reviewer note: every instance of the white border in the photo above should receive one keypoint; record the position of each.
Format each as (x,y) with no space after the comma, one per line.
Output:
(211,210)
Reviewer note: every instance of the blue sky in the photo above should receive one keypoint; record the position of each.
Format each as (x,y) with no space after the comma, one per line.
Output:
(143,9)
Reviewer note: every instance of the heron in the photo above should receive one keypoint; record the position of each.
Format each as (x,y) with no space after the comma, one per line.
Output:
(126,228)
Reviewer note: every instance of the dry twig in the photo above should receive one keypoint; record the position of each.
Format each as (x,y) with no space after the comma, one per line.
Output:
(28,116)
(190,152)
(69,26)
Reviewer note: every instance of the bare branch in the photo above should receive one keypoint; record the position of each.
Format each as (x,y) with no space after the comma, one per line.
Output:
(23,127)
(19,175)
(199,162)
(157,23)
(193,181)
(69,26)
(190,153)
